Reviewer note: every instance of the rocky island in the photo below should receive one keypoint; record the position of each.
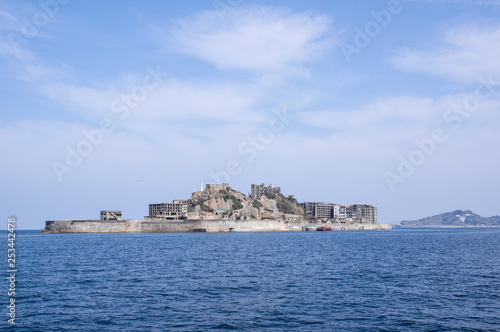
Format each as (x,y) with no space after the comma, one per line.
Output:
(219,208)
(457,218)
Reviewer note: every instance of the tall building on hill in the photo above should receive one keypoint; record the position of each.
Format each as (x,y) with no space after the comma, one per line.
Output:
(213,188)
(260,189)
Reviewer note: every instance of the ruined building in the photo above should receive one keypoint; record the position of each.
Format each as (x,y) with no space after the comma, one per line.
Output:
(173,211)
(260,189)
(357,213)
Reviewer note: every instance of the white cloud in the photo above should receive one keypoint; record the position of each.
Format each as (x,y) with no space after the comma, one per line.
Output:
(258,38)
(178,100)
(395,123)
(390,118)
(85,101)
(171,100)
(469,51)
(8,21)
(32,146)
(22,64)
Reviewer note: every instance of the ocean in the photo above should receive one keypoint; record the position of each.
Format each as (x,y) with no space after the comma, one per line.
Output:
(398,280)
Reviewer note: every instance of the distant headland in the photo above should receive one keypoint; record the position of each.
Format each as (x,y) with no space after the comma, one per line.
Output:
(219,208)
(457,218)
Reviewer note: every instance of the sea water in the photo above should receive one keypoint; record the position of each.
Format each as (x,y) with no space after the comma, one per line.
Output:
(398,280)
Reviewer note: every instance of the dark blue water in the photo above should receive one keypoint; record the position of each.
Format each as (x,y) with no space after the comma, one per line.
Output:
(440,280)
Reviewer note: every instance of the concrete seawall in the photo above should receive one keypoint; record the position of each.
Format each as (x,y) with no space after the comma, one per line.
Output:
(161,226)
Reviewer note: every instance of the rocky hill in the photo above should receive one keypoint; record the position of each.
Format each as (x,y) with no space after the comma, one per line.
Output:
(225,201)
(454,218)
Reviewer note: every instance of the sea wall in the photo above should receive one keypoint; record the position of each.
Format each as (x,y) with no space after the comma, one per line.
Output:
(141,226)
(161,226)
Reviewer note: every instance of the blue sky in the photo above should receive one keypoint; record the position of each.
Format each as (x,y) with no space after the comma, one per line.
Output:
(118,104)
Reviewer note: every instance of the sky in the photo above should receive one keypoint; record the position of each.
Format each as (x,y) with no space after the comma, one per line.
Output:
(118,104)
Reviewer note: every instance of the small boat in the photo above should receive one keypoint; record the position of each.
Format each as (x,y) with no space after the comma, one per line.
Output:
(324,228)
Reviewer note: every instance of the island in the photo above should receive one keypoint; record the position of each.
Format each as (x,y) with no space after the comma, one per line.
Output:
(457,218)
(219,208)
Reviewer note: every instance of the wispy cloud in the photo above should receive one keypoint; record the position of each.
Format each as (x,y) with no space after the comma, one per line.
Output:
(395,117)
(9,21)
(397,121)
(469,50)
(257,38)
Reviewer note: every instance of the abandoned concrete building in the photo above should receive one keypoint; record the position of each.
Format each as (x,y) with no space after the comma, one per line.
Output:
(111,215)
(257,190)
(184,210)
(359,213)
(173,211)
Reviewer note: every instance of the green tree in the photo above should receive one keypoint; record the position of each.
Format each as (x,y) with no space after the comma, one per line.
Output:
(237,204)
(270,196)
(206,208)
(256,204)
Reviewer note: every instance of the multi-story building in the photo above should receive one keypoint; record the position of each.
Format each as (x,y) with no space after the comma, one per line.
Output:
(212,188)
(175,210)
(336,211)
(320,210)
(323,210)
(358,213)
(308,207)
(345,212)
(260,189)
(362,213)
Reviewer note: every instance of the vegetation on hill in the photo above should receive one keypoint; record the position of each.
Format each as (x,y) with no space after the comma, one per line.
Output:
(270,196)
(454,218)
(203,206)
(226,201)
(228,196)
(236,204)
(285,204)
(206,208)
(256,204)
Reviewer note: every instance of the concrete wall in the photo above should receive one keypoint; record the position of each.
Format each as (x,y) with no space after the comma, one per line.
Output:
(85,226)
(141,226)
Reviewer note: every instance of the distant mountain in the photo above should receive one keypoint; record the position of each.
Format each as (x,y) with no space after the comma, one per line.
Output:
(454,218)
